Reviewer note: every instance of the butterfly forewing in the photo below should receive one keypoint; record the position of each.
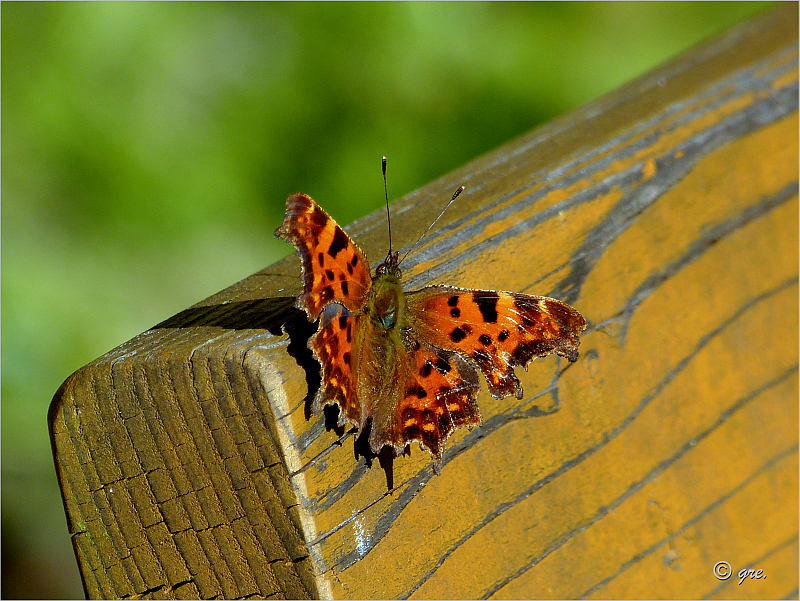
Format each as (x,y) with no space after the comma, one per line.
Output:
(334,268)
(495,330)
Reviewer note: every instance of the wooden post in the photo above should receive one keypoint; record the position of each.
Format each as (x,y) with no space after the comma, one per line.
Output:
(666,212)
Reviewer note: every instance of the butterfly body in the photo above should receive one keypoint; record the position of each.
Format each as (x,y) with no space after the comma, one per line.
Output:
(406,361)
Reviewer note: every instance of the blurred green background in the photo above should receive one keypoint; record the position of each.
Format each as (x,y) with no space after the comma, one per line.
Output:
(148,148)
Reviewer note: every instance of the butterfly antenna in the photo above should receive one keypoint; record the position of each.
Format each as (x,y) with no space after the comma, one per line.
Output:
(386,194)
(455,195)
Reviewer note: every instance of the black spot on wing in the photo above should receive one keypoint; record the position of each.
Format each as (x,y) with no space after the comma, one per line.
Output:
(417,391)
(339,242)
(345,288)
(452,301)
(487,303)
(457,335)
(412,432)
(442,366)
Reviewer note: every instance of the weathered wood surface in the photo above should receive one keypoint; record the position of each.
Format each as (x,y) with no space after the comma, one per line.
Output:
(666,213)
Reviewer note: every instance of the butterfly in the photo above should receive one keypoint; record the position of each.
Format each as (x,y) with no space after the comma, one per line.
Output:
(405,364)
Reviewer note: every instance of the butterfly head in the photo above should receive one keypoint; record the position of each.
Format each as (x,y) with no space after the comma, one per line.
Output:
(390,266)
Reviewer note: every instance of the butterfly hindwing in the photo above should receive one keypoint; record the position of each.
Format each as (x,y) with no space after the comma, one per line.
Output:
(334,268)
(333,347)
(437,394)
(496,331)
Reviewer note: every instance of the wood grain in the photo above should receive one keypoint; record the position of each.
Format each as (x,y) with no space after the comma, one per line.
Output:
(665,212)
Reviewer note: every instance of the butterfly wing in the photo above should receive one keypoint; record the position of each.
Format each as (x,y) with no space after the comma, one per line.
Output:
(436,389)
(333,347)
(497,331)
(334,268)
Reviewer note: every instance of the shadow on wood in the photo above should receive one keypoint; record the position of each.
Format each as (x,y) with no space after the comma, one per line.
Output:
(665,212)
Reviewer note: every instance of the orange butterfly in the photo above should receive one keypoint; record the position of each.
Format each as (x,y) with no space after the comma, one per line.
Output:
(406,361)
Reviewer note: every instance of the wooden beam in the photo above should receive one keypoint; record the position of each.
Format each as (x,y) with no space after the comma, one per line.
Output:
(666,212)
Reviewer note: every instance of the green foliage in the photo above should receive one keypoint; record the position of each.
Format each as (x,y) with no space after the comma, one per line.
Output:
(148,149)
